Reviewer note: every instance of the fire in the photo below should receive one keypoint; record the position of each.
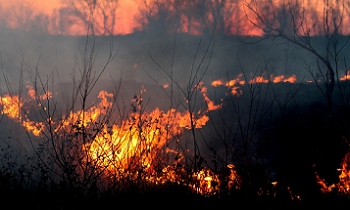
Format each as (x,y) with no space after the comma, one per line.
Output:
(344,177)
(209,102)
(291,79)
(324,187)
(133,144)
(32,93)
(233,179)
(217,83)
(234,85)
(134,148)
(346,76)
(166,85)
(12,106)
(139,138)
(205,182)
(258,79)
(343,186)
(85,118)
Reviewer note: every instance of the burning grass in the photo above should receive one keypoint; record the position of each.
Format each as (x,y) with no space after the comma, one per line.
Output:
(133,150)
(143,152)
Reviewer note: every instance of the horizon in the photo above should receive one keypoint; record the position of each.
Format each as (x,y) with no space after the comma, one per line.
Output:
(67,17)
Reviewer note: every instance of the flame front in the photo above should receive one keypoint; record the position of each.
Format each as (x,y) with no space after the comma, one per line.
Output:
(235,84)
(12,107)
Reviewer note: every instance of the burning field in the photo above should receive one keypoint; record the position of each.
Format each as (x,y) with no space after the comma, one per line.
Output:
(170,102)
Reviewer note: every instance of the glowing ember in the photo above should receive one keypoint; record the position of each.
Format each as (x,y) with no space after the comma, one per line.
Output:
(166,85)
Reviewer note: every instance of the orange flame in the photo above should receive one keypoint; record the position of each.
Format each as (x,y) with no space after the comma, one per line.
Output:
(291,79)
(344,177)
(217,83)
(343,185)
(346,76)
(209,102)
(235,84)
(136,139)
(12,107)
(258,79)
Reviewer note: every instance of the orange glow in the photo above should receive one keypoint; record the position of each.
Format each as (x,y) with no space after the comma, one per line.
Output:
(324,187)
(258,79)
(291,79)
(346,76)
(166,85)
(125,17)
(281,78)
(278,79)
(217,83)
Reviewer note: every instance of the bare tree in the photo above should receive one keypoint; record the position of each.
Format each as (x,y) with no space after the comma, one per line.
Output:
(183,16)
(199,67)
(293,22)
(96,14)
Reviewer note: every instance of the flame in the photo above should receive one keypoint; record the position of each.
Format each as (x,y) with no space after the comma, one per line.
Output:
(139,138)
(135,141)
(12,106)
(233,179)
(344,177)
(346,76)
(85,118)
(217,83)
(205,182)
(133,149)
(166,85)
(32,93)
(209,102)
(324,187)
(258,79)
(343,185)
(281,78)
(234,85)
